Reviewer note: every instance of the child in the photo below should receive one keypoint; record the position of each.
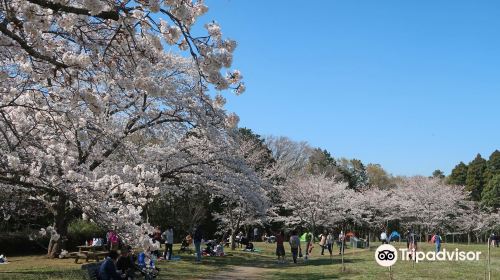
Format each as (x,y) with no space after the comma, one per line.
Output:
(219,249)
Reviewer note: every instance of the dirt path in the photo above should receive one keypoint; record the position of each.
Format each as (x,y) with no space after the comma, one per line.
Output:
(241,272)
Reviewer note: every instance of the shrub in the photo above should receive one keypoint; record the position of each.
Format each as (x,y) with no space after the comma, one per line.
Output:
(80,230)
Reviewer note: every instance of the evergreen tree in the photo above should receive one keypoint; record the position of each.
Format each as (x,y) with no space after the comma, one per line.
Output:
(438,174)
(493,165)
(353,172)
(475,177)
(321,161)
(490,196)
(458,175)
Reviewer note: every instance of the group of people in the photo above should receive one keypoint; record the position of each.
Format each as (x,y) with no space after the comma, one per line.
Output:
(124,265)
(167,237)
(119,266)
(411,241)
(326,241)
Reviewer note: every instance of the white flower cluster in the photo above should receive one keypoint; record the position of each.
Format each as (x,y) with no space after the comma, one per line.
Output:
(96,111)
(171,33)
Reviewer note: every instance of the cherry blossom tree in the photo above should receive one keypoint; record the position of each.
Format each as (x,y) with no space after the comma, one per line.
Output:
(316,200)
(430,204)
(90,99)
(252,208)
(378,207)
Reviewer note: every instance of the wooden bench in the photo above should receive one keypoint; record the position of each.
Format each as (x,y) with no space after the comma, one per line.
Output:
(89,255)
(87,252)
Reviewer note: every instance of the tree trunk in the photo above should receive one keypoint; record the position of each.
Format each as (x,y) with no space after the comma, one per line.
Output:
(61,227)
(233,242)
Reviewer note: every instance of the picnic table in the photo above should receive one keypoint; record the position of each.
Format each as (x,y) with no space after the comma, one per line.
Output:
(92,252)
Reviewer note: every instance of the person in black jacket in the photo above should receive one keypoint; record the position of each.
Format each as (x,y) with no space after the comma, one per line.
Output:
(125,263)
(107,271)
(197,237)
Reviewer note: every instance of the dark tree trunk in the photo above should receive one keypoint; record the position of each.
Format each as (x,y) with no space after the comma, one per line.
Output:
(61,227)
(233,242)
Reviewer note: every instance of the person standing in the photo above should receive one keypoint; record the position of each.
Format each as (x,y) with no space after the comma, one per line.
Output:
(309,245)
(383,237)
(341,242)
(255,234)
(411,243)
(197,237)
(322,242)
(329,242)
(437,241)
(168,236)
(112,239)
(280,248)
(294,245)
(157,238)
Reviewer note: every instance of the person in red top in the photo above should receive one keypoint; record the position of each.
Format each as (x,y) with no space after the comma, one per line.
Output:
(280,248)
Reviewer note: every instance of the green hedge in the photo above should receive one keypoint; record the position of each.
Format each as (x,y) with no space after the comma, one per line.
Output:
(79,231)
(19,243)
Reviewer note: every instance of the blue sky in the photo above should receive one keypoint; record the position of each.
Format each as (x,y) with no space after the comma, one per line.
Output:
(412,85)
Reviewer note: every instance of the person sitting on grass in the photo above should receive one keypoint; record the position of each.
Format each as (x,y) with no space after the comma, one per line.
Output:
(188,239)
(219,249)
(107,270)
(249,247)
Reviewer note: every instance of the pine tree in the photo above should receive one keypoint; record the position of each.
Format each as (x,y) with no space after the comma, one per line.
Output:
(475,177)
(438,174)
(458,175)
(490,196)
(493,165)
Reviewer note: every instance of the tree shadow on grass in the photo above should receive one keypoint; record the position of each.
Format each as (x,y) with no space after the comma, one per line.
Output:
(311,275)
(46,274)
(264,261)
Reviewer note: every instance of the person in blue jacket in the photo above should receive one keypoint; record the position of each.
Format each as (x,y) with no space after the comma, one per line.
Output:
(107,271)
(437,241)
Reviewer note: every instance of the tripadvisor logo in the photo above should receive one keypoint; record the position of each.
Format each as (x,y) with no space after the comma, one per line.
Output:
(455,255)
(387,255)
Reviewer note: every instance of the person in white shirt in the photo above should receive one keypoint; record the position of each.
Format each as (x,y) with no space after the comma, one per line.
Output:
(168,235)
(341,242)
(383,237)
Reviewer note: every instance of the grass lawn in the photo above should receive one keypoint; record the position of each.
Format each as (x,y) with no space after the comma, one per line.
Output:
(360,264)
